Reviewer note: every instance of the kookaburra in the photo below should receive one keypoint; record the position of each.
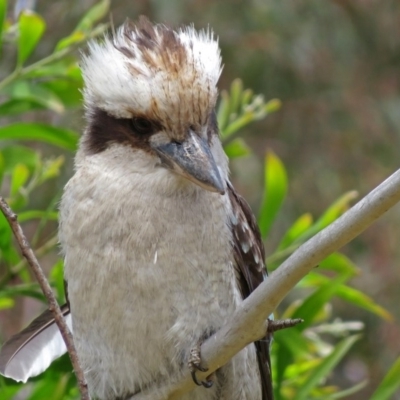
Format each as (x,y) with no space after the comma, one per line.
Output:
(159,249)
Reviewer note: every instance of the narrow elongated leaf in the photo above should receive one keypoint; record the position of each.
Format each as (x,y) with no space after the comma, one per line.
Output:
(314,303)
(2,167)
(9,392)
(7,250)
(272,106)
(3,13)
(237,124)
(237,148)
(51,168)
(293,340)
(390,383)
(67,90)
(339,263)
(275,189)
(247,95)
(31,27)
(37,214)
(93,15)
(236,95)
(298,228)
(16,106)
(333,212)
(349,294)
(36,93)
(300,367)
(325,367)
(347,392)
(13,155)
(54,389)
(6,302)
(60,137)
(24,289)
(19,177)
(223,111)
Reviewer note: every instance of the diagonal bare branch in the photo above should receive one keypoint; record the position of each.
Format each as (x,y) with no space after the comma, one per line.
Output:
(248,323)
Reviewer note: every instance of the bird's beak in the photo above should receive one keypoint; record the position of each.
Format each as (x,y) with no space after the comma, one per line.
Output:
(193,160)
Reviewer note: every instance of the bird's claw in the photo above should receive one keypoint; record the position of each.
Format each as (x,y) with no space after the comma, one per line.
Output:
(194,365)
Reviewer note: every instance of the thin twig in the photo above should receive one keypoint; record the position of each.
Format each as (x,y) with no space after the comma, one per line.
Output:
(28,253)
(248,323)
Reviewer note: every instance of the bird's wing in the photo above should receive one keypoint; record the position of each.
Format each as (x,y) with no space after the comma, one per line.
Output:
(31,351)
(251,271)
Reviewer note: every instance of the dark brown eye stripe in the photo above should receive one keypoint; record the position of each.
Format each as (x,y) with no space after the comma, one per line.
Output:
(104,129)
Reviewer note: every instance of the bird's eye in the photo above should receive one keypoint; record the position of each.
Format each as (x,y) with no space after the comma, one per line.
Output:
(142,126)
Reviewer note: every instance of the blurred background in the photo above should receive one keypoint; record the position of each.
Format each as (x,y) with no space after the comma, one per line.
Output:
(335,65)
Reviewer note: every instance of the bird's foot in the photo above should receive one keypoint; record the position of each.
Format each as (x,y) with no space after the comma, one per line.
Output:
(194,365)
(274,326)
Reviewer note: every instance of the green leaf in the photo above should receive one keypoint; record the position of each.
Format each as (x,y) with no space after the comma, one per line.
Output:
(247,95)
(6,302)
(347,392)
(361,300)
(288,347)
(26,289)
(315,302)
(299,367)
(275,189)
(223,111)
(60,137)
(67,90)
(16,106)
(2,167)
(93,15)
(326,366)
(333,212)
(31,27)
(237,148)
(13,155)
(349,294)
(51,168)
(272,106)
(57,279)
(9,392)
(53,389)
(68,41)
(64,69)
(19,177)
(390,383)
(236,95)
(293,340)
(5,234)
(3,13)
(340,264)
(297,229)
(35,93)
(37,214)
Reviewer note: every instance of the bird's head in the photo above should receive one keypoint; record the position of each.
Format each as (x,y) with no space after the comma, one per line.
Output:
(154,89)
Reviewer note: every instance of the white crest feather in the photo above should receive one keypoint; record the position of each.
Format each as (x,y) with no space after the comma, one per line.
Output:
(153,70)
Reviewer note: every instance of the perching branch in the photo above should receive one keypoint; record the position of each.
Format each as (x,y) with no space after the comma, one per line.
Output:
(28,253)
(248,323)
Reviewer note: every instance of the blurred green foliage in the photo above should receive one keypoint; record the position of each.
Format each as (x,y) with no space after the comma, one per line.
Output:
(303,357)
